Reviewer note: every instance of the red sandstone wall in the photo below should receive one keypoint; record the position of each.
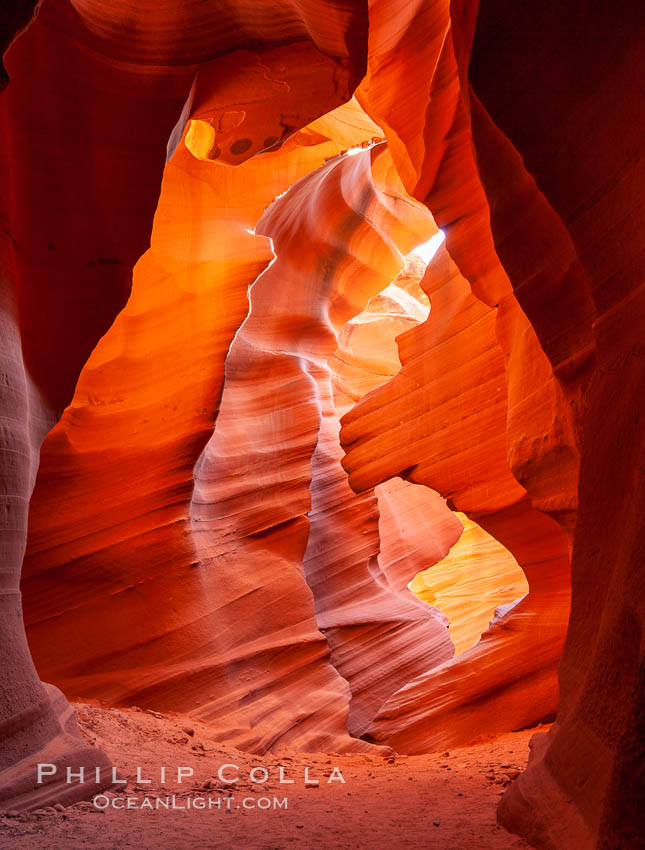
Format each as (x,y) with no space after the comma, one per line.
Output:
(94,95)
(520,129)
(260,515)
(77,196)
(585,195)
(449,406)
(563,190)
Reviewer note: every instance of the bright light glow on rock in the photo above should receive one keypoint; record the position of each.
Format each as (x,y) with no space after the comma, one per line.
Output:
(427,250)
(358,149)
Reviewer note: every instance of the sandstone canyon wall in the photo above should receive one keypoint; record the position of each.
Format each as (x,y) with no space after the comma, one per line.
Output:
(93,99)
(62,267)
(559,210)
(148,424)
(450,434)
(197,539)
(582,784)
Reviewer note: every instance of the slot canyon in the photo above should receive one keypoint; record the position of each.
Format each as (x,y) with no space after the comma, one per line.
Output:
(322,369)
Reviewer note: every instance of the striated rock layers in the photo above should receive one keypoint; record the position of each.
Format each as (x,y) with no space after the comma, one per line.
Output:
(140,430)
(564,214)
(269,488)
(415,527)
(469,584)
(96,90)
(77,197)
(194,540)
(584,198)
(450,434)
(219,590)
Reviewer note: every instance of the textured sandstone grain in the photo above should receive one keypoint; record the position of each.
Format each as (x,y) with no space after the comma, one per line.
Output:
(519,400)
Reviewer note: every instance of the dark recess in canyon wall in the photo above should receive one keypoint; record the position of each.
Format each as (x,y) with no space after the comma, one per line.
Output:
(561,85)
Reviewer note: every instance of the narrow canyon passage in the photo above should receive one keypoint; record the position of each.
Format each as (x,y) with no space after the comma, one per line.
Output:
(309,331)
(283,628)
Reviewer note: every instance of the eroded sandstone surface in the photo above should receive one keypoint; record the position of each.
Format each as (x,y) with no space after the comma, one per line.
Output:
(240,417)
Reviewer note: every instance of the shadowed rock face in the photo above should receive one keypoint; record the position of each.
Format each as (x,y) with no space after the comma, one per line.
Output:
(268,518)
(588,200)
(198,541)
(86,123)
(450,410)
(78,194)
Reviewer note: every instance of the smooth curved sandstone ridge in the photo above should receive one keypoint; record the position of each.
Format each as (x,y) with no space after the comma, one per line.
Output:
(269,485)
(141,430)
(417,530)
(450,434)
(206,280)
(86,124)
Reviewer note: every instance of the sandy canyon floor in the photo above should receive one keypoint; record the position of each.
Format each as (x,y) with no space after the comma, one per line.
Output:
(443,800)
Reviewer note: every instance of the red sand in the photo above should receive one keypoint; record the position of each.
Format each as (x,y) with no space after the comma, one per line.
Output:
(441,800)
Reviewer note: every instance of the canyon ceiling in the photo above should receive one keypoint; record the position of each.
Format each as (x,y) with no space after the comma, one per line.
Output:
(241,413)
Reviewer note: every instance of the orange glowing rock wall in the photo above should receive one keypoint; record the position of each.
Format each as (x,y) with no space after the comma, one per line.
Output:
(476,577)
(519,400)
(137,430)
(442,422)
(243,638)
(96,90)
